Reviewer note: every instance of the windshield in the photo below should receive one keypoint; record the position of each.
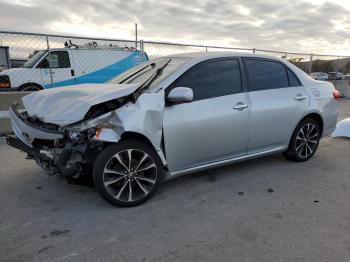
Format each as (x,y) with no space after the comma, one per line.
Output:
(34,59)
(142,72)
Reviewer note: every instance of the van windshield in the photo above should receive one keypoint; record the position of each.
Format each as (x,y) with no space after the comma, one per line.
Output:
(34,59)
(141,73)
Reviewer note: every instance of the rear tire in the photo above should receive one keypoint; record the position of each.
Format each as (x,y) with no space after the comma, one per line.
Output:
(128,173)
(304,141)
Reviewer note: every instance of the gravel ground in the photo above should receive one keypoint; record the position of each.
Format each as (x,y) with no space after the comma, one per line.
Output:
(266,209)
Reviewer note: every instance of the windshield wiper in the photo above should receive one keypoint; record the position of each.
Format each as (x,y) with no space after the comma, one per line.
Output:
(138,71)
(153,77)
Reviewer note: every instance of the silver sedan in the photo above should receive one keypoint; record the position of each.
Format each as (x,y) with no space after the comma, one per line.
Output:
(172,116)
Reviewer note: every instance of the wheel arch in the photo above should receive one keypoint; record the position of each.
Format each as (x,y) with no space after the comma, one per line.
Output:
(317,117)
(145,139)
(30,84)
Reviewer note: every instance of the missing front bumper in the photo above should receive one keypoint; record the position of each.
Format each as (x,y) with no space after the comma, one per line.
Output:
(20,145)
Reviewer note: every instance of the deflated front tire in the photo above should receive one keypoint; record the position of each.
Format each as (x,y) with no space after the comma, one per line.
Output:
(128,173)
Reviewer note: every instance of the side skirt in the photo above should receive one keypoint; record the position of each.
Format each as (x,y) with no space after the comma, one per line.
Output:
(175,174)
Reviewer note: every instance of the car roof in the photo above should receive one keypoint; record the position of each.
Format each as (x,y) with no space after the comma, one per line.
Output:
(88,48)
(201,56)
(204,55)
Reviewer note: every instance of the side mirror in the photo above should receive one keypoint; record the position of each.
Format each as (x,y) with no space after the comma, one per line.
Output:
(180,95)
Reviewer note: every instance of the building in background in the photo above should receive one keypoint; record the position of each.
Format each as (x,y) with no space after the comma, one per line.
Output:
(4,58)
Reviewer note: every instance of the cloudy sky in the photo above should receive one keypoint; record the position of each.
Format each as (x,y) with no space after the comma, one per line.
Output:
(297,25)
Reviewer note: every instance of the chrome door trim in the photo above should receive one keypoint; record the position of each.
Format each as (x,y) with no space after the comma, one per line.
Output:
(172,175)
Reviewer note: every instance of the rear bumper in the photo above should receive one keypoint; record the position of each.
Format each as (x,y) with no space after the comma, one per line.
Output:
(10,89)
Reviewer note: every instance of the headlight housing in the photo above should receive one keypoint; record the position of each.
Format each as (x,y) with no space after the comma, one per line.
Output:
(5,81)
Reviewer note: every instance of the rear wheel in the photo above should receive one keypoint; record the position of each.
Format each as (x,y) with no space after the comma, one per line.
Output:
(128,173)
(304,141)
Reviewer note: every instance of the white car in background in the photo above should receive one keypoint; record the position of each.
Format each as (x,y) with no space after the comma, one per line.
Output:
(319,76)
(335,76)
(346,77)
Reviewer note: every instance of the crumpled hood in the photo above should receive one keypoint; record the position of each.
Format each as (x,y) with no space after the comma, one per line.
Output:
(69,104)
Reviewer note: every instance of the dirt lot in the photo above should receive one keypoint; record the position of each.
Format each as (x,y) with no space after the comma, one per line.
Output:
(262,210)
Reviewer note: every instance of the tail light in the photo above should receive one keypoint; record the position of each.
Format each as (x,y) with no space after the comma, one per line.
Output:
(336,94)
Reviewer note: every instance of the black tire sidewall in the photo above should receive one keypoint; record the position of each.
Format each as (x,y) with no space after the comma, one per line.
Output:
(292,152)
(111,150)
(33,87)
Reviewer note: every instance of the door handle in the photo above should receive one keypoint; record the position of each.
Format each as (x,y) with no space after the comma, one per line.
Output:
(52,72)
(300,98)
(240,106)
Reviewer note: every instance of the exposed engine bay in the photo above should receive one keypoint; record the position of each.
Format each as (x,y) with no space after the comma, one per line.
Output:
(65,138)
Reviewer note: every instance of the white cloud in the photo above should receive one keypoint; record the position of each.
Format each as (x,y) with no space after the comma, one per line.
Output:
(299,25)
(243,10)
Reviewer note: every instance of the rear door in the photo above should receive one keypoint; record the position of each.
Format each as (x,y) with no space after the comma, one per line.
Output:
(60,73)
(277,99)
(213,127)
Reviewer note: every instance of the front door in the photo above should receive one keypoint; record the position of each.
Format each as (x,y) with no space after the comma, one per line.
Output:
(60,73)
(213,127)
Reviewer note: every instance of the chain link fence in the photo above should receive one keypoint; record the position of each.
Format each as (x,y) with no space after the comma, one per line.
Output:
(53,60)
(32,62)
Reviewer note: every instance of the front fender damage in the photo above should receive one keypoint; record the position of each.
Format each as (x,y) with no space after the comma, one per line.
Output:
(144,117)
(74,152)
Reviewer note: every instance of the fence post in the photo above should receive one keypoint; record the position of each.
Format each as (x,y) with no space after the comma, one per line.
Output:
(310,63)
(338,68)
(286,56)
(254,50)
(136,36)
(49,54)
(206,49)
(141,50)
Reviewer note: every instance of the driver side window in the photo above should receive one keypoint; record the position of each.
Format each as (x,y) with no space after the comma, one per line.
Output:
(59,59)
(211,78)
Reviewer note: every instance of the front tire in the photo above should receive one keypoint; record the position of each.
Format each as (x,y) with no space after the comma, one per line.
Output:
(128,173)
(30,87)
(304,141)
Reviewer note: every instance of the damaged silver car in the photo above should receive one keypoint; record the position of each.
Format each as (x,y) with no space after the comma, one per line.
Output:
(171,116)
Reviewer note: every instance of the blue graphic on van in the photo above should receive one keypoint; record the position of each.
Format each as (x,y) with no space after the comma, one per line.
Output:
(104,74)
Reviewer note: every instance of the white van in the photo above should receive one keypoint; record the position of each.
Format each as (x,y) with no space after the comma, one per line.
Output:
(70,66)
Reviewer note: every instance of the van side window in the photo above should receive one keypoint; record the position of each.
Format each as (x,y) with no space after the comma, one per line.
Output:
(265,74)
(59,59)
(211,78)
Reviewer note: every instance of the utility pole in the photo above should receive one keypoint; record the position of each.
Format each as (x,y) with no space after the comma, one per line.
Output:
(136,36)
(310,63)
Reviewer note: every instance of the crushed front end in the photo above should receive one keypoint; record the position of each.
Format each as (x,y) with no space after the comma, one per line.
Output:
(57,150)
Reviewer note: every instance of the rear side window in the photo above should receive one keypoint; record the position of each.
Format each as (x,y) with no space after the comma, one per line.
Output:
(265,74)
(212,78)
(293,80)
